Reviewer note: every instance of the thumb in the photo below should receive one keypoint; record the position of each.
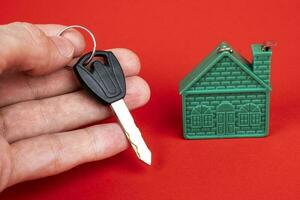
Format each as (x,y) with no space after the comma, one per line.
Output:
(64,46)
(25,47)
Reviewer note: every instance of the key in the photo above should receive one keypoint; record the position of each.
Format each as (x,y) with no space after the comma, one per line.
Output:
(105,81)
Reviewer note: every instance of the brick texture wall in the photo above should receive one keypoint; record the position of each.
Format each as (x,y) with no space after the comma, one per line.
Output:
(261,67)
(213,100)
(226,74)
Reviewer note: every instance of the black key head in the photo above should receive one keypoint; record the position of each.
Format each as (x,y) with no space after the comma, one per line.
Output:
(104,80)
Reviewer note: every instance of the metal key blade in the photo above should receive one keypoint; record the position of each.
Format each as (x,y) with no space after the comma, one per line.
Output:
(132,132)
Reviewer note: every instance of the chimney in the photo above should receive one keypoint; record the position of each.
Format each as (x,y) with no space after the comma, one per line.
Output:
(261,54)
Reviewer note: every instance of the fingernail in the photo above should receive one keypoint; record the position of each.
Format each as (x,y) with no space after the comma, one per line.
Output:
(64,46)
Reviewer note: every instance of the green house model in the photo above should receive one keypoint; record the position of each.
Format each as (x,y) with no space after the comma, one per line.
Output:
(225,96)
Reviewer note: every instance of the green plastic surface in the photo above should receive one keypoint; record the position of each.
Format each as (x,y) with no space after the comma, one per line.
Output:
(225,96)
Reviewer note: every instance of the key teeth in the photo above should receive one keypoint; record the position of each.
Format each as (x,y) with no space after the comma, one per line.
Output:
(144,155)
(132,132)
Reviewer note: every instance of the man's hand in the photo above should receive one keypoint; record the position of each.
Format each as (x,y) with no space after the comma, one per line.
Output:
(41,104)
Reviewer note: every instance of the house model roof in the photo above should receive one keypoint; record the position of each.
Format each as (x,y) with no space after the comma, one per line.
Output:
(203,67)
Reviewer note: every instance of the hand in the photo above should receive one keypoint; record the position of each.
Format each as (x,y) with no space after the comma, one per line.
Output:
(41,104)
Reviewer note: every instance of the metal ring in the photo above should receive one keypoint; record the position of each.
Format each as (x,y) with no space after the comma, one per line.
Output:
(87,30)
(221,49)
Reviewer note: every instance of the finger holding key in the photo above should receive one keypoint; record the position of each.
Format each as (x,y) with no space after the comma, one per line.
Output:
(106,82)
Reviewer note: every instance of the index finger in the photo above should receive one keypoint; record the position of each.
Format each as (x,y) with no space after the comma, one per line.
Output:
(27,47)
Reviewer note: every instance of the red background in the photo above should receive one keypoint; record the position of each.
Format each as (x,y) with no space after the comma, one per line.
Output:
(171,37)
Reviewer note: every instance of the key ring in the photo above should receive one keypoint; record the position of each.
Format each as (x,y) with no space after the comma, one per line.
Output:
(87,30)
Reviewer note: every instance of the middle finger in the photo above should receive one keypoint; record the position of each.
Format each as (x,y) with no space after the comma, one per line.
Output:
(63,113)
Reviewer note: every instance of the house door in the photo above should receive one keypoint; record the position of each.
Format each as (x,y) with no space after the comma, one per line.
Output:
(225,119)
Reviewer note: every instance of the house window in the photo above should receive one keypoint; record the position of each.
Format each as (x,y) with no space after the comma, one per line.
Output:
(202,117)
(207,122)
(249,115)
(196,121)
(244,119)
(255,119)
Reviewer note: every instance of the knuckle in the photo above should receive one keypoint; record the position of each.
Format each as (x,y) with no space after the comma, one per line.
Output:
(41,44)
(56,149)
(34,32)
(3,127)
(95,148)
(39,40)
(15,24)
(3,64)
(43,113)
(33,90)
(6,165)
